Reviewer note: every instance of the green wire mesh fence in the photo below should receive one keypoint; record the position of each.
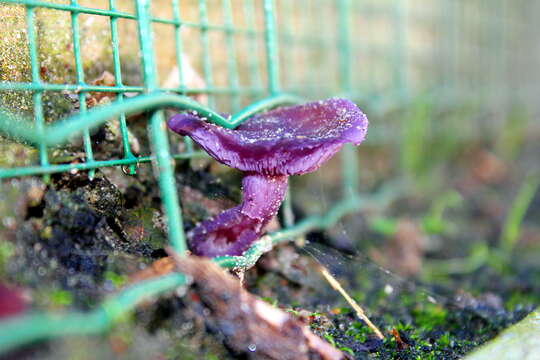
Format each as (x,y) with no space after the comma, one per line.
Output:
(152,98)
(252,54)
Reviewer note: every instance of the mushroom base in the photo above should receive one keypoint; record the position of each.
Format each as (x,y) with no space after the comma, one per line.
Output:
(234,230)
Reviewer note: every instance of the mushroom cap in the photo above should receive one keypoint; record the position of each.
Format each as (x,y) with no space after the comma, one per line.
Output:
(286,141)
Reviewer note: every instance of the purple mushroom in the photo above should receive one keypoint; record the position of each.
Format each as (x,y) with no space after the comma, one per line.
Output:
(268,148)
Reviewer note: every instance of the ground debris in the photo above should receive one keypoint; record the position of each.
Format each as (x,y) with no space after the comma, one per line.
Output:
(399,341)
(67,244)
(250,326)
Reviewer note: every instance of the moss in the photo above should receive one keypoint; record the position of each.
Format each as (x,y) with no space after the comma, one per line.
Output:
(427,316)
(117,280)
(61,297)
(428,328)
(359,331)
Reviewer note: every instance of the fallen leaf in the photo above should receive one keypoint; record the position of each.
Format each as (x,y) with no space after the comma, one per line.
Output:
(251,326)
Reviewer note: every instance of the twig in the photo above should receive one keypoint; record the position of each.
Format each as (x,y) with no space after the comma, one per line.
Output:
(359,311)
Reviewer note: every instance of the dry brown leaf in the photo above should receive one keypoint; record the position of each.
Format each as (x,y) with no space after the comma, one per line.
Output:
(251,326)
(157,268)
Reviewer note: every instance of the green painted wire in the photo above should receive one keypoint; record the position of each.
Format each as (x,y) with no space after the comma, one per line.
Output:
(163,162)
(348,154)
(254,73)
(25,86)
(37,96)
(123,15)
(59,168)
(131,169)
(232,71)
(31,327)
(205,42)
(89,153)
(179,46)
(272,69)
(272,57)
(61,131)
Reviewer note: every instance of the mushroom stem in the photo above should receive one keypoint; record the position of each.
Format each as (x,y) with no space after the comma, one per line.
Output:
(234,230)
